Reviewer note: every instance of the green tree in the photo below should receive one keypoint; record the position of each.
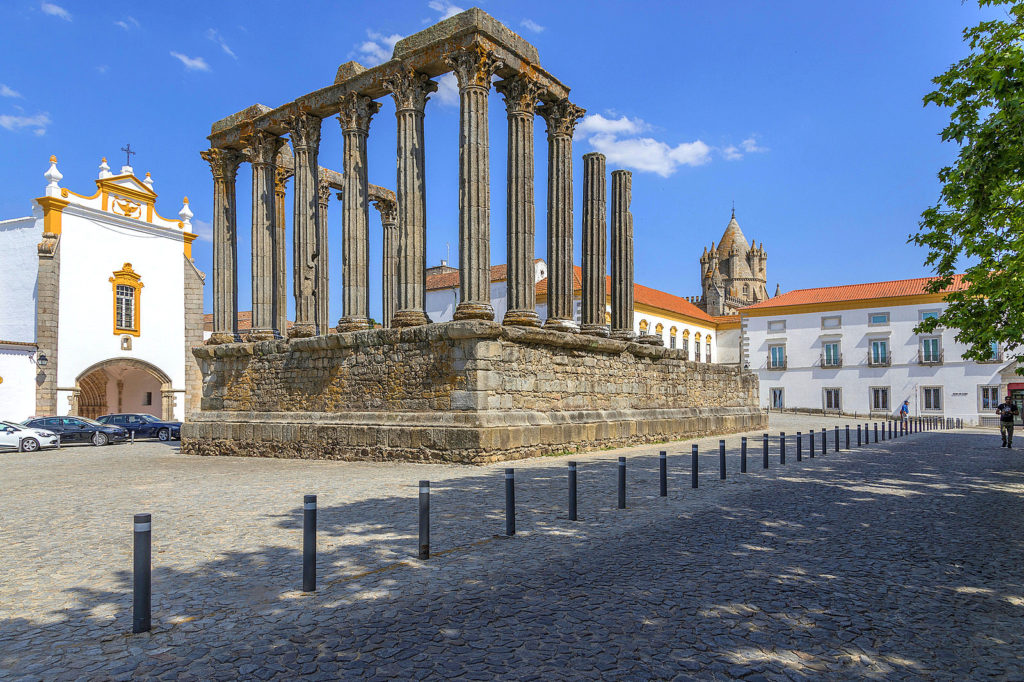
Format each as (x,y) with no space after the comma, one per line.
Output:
(979,217)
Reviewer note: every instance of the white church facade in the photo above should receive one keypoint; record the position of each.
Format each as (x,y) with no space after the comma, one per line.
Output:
(104,303)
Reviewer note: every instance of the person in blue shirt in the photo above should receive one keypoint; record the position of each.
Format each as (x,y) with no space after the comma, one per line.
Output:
(905,411)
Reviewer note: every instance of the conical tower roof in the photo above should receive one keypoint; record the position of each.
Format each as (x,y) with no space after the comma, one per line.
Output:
(732,239)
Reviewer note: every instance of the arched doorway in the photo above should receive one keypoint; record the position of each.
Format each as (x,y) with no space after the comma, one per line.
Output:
(123,385)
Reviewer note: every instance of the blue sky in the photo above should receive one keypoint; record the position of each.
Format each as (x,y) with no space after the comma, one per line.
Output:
(807,114)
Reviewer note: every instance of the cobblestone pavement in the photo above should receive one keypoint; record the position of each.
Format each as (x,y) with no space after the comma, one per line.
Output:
(896,560)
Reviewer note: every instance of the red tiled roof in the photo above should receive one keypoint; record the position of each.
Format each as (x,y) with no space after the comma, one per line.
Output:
(244,321)
(450,280)
(855,292)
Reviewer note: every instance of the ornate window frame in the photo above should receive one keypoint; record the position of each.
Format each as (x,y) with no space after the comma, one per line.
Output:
(126,276)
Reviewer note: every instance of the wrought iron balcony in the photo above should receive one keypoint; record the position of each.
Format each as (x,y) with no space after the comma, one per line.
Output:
(924,358)
(832,362)
(880,360)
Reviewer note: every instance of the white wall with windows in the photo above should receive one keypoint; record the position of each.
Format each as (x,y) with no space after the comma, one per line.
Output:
(866,360)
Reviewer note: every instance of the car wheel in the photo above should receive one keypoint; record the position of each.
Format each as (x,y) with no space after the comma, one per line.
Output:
(164,434)
(30,445)
(100,438)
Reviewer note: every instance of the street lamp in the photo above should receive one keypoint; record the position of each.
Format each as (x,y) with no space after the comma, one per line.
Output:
(42,360)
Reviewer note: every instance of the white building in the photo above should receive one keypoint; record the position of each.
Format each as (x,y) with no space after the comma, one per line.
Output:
(852,349)
(678,321)
(81,263)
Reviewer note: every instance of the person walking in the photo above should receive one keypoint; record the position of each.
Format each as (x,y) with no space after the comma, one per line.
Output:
(905,411)
(1007,410)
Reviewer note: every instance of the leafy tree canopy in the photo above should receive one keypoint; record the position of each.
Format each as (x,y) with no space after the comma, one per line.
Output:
(980,213)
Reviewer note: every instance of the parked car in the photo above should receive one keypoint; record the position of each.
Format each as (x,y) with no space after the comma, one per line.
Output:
(31,439)
(144,425)
(79,430)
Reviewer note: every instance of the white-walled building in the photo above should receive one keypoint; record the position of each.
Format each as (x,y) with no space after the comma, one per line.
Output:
(102,303)
(853,349)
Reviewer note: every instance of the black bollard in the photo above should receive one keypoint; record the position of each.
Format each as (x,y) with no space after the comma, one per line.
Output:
(693,466)
(799,446)
(424,520)
(309,543)
(572,491)
(142,595)
(847,436)
(764,451)
(510,502)
(858,435)
(622,482)
(824,441)
(721,460)
(782,447)
(743,455)
(837,439)
(811,449)
(890,429)
(663,474)
(876,432)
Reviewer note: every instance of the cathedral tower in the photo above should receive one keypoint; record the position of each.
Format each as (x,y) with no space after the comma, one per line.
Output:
(734,274)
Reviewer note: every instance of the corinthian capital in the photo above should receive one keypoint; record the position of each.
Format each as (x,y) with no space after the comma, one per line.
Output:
(281,176)
(263,148)
(473,66)
(521,93)
(388,211)
(323,188)
(223,162)
(304,129)
(561,117)
(410,89)
(356,111)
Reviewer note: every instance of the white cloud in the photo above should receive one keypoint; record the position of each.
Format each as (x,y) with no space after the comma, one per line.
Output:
(128,23)
(378,49)
(203,229)
(8,92)
(55,11)
(191,63)
(446,8)
(747,146)
(448,90)
(619,140)
(16,123)
(596,124)
(531,25)
(212,34)
(732,153)
(750,145)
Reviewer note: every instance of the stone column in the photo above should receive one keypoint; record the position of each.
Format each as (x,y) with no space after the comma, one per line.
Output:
(561,117)
(521,93)
(280,263)
(305,134)
(224,164)
(622,256)
(389,271)
(263,148)
(595,240)
(322,290)
(356,112)
(473,68)
(411,91)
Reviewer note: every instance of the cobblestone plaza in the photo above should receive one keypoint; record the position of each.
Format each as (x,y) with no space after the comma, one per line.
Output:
(897,560)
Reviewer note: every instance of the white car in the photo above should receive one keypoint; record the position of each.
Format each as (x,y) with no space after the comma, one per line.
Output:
(31,439)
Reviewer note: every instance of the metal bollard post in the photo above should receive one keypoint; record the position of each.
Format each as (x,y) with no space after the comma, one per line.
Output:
(622,482)
(847,436)
(572,491)
(663,474)
(811,449)
(876,432)
(890,429)
(721,460)
(799,446)
(309,543)
(764,451)
(424,520)
(693,466)
(837,439)
(743,455)
(858,435)
(142,588)
(782,447)
(21,444)
(133,436)
(824,441)
(510,502)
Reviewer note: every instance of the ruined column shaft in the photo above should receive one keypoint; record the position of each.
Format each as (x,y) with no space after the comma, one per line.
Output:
(356,112)
(263,150)
(473,69)
(622,256)
(305,135)
(224,165)
(280,266)
(594,245)
(410,91)
(322,267)
(520,95)
(389,269)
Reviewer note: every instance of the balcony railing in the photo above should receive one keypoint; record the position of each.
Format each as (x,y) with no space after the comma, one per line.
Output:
(831,362)
(924,358)
(998,357)
(775,363)
(880,360)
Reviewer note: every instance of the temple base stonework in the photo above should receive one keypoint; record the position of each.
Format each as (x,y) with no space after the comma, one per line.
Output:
(467,392)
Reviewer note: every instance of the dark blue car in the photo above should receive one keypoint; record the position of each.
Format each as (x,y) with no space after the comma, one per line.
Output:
(144,425)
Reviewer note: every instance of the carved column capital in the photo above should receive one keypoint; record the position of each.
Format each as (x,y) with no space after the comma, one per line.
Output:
(264,147)
(521,93)
(561,117)
(323,188)
(388,211)
(223,162)
(355,112)
(410,89)
(281,177)
(473,66)
(304,130)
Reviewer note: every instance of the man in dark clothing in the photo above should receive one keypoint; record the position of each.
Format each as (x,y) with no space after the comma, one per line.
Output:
(1007,410)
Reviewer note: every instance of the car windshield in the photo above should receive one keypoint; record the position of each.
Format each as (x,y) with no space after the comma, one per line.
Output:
(91,422)
(148,418)
(18,427)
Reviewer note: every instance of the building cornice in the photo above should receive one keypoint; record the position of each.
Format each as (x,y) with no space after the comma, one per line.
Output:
(829,306)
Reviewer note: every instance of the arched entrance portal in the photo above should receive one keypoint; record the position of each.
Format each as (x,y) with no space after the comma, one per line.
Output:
(123,385)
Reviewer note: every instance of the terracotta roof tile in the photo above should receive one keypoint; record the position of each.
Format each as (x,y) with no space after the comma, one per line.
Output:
(450,280)
(854,292)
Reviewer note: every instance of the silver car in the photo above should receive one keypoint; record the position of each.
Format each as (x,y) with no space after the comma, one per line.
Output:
(11,434)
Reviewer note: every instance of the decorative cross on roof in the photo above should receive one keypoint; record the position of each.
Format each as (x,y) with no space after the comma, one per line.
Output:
(127,149)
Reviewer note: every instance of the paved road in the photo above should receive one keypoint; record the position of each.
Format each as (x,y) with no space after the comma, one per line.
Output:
(900,560)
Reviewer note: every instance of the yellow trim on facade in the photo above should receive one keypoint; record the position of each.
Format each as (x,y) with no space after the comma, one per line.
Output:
(189,238)
(729,325)
(53,209)
(128,277)
(671,315)
(888,301)
(64,192)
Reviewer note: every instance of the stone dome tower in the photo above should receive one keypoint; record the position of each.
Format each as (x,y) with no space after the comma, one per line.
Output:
(734,274)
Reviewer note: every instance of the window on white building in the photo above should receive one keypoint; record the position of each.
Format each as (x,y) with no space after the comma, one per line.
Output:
(708,353)
(830,354)
(686,347)
(876,319)
(832,322)
(778,401)
(989,397)
(879,354)
(931,349)
(777,357)
(776,325)
(672,341)
(880,399)
(125,307)
(931,397)
(831,396)
(929,315)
